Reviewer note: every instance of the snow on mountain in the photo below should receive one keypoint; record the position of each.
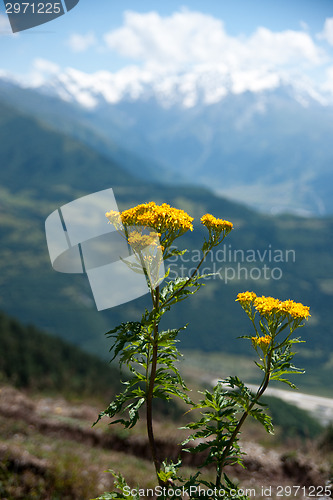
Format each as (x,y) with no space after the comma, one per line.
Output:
(203,84)
(257,137)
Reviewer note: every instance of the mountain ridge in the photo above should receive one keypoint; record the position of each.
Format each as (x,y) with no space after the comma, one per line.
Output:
(270,149)
(203,84)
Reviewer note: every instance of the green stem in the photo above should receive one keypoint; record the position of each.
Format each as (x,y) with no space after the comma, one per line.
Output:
(212,245)
(260,392)
(186,282)
(149,410)
(219,463)
(150,381)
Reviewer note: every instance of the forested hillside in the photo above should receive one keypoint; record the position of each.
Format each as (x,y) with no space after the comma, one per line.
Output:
(33,360)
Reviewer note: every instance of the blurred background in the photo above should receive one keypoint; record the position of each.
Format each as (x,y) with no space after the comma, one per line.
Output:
(217,106)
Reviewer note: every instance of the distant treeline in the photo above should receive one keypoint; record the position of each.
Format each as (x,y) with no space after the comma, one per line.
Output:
(34,360)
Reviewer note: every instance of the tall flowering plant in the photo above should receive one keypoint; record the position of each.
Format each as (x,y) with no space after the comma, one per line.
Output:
(225,410)
(151,354)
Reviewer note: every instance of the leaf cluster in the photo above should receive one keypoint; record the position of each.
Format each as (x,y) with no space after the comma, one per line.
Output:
(216,430)
(134,345)
(281,363)
(178,290)
(121,485)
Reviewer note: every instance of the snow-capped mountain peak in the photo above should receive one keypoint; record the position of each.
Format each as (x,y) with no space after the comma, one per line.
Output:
(201,85)
(252,136)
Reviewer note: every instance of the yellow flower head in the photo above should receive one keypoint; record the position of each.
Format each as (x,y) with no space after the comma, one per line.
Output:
(262,342)
(162,218)
(215,225)
(246,297)
(266,305)
(295,309)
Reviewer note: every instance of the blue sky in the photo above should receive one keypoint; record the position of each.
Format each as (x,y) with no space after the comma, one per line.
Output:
(96,35)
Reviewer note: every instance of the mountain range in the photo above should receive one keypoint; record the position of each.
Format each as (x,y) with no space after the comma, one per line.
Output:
(43,168)
(269,147)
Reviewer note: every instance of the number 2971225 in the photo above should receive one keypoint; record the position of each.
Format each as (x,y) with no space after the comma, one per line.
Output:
(33,8)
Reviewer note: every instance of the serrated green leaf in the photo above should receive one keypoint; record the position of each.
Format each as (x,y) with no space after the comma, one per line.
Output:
(286,381)
(263,418)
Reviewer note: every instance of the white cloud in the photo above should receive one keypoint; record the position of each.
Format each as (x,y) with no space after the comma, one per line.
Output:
(188,38)
(192,43)
(4,25)
(80,43)
(304,25)
(45,66)
(42,70)
(283,48)
(181,38)
(188,57)
(327,33)
(328,84)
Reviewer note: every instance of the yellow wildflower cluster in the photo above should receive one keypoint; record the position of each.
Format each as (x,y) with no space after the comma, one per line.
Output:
(295,309)
(216,225)
(139,241)
(267,306)
(262,342)
(160,217)
(246,297)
